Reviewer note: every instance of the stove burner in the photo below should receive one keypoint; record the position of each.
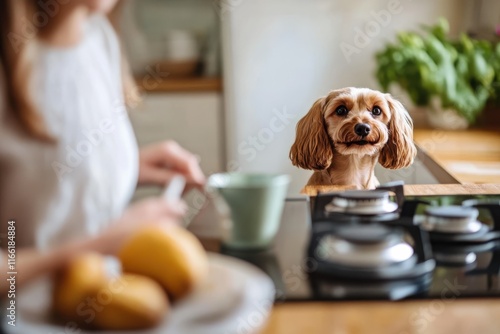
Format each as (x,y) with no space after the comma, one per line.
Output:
(369,251)
(452,219)
(324,288)
(360,205)
(366,246)
(458,224)
(461,255)
(368,234)
(464,260)
(362,202)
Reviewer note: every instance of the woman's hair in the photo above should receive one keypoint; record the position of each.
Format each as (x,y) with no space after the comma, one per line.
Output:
(16,59)
(17,55)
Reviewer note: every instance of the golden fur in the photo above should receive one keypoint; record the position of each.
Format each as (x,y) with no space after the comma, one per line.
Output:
(327,143)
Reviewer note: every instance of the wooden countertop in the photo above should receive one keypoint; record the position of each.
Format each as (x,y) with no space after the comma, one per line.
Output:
(470,156)
(463,316)
(421,189)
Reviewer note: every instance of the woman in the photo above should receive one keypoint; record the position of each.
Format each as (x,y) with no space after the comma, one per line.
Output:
(68,157)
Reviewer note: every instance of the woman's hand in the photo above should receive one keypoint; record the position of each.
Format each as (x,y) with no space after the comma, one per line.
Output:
(154,209)
(158,163)
(150,211)
(32,263)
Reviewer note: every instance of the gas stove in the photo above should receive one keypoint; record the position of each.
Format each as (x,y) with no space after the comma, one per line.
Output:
(380,244)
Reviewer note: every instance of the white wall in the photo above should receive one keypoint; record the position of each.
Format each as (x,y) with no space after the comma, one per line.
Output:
(283,54)
(483,16)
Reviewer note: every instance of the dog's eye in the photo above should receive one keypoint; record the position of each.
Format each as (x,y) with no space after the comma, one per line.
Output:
(341,110)
(376,111)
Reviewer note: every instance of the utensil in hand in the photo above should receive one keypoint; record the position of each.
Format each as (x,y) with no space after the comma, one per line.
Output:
(173,190)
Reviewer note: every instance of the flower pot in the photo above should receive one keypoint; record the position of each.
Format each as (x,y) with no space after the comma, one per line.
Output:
(445,119)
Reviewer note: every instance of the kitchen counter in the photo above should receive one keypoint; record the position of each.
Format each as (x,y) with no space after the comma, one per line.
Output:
(403,317)
(421,189)
(469,156)
(430,316)
(435,316)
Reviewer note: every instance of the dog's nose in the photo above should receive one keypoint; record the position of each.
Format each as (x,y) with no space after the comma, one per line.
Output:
(362,129)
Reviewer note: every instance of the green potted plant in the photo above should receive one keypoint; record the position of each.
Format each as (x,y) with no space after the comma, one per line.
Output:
(452,78)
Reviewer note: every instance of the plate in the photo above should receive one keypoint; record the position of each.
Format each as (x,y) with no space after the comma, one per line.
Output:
(237,297)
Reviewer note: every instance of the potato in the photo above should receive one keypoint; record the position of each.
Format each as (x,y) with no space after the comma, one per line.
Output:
(171,255)
(84,294)
(140,303)
(81,278)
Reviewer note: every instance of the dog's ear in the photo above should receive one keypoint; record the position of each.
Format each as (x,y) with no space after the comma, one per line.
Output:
(400,150)
(312,148)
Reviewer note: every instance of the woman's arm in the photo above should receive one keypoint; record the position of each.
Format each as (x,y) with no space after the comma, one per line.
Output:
(31,263)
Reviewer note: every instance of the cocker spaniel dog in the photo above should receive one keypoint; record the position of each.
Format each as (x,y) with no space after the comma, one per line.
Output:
(345,133)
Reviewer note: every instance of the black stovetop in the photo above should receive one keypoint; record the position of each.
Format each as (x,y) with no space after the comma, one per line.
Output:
(460,270)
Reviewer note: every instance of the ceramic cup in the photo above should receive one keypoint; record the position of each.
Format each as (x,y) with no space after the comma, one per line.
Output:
(181,45)
(255,202)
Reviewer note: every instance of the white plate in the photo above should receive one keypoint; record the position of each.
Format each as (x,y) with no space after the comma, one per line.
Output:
(236,297)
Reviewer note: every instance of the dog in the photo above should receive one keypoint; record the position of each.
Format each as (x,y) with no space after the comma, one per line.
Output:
(345,133)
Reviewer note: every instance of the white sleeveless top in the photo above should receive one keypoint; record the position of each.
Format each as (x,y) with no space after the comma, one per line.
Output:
(77,186)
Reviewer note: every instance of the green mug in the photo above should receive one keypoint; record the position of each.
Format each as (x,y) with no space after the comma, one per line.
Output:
(255,203)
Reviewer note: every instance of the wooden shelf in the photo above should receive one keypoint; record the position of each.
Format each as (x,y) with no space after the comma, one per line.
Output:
(149,83)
